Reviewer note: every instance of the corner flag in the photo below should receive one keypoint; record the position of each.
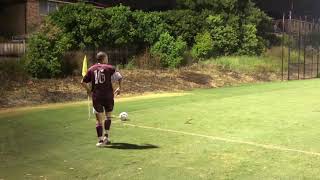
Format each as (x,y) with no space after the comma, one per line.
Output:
(84,72)
(84,66)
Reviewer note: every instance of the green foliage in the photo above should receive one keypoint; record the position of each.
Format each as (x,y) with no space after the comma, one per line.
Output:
(263,23)
(203,47)
(234,26)
(288,40)
(218,6)
(214,21)
(12,69)
(149,27)
(315,39)
(250,41)
(93,28)
(119,29)
(45,51)
(234,13)
(130,65)
(225,37)
(169,50)
(226,40)
(84,23)
(247,64)
(184,23)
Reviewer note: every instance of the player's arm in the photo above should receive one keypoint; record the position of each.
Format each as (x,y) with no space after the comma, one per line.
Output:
(117,77)
(86,87)
(85,82)
(119,86)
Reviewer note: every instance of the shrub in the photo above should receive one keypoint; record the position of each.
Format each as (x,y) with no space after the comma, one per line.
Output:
(247,64)
(45,52)
(145,60)
(184,23)
(83,22)
(169,50)
(225,37)
(225,40)
(203,47)
(314,39)
(149,27)
(12,70)
(83,27)
(250,42)
(219,6)
(119,28)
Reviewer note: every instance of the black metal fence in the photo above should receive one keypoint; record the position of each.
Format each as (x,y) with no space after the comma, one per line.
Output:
(300,49)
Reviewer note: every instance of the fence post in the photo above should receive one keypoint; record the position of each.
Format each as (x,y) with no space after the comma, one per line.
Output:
(24,46)
(289,47)
(312,60)
(304,57)
(282,59)
(312,43)
(299,48)
(318,62)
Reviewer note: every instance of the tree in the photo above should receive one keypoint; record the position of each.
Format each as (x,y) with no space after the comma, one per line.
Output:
(149,27)
(184,23)
(83,22)
(45,51)
(119,29)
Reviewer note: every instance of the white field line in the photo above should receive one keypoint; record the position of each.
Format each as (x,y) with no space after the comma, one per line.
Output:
(265,146)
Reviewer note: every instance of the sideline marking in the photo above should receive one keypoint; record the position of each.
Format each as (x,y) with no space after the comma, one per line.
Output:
(19,110)
(265,146)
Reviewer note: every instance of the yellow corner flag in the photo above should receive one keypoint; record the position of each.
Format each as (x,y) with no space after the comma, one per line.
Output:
(84,66)
(84,72)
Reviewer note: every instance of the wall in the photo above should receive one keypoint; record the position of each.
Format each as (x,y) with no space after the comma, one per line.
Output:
(33,15)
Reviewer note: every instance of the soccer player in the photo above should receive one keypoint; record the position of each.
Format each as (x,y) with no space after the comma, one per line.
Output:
(100,76)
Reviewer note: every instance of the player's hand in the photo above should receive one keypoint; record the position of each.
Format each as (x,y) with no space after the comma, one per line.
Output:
(117,92)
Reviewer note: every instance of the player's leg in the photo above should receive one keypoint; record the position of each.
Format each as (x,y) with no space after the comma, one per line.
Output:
(99,128)
(107,125)
(108,121)
(98,111)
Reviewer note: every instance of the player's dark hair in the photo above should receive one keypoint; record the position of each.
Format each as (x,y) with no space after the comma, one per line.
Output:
(100,56)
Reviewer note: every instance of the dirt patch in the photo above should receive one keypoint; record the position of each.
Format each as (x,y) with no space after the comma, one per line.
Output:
(135,81)
(198,78)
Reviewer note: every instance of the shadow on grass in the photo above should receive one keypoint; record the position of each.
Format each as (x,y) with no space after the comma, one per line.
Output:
(127,146)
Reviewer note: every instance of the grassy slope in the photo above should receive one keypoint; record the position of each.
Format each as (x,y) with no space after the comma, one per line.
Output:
(58,142)
(221,72)
(249,65)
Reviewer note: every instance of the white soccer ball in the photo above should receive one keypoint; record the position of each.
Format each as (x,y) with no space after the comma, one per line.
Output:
(123,116)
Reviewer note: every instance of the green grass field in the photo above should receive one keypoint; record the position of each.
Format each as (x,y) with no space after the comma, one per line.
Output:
(264,131)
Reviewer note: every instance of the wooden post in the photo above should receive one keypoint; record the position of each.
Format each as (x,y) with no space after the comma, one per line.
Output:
(282,44)
(289,46)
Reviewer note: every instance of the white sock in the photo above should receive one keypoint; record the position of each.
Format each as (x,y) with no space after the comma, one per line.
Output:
(107,133)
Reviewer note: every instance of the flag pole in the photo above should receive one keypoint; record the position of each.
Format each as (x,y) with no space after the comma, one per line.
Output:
(89,114)
(84,72)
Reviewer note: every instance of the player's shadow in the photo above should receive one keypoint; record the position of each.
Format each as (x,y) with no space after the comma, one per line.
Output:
(127,146)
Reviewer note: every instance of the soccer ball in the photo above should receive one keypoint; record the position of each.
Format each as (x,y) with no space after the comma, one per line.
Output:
(123,116)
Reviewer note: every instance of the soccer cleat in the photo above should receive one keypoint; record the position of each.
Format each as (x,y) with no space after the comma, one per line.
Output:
(100,144)
(106,141)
